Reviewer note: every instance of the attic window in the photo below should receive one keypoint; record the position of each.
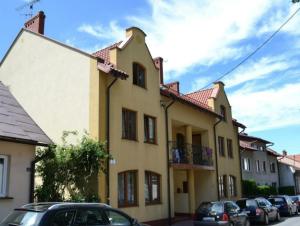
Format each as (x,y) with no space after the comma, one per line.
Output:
(139,75)
(223,112)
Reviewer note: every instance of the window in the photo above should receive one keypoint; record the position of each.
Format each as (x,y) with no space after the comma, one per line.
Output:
(128,124)
(127,188)
(116,218)
(274,184)
(150,129)
(3,175)
(221,146)
(257,166)
(222,186)
(272,167)
(223,112)
(232,186)
(90,217)
(139,75)
(229,148)
(246,164)
(63,218)
(264,167)
(152,187)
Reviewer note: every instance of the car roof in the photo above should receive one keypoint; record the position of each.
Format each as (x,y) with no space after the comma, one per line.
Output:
(44,206)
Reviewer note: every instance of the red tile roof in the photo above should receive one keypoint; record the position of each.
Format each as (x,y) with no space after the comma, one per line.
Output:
(295,157)
(104,53)
(201,95)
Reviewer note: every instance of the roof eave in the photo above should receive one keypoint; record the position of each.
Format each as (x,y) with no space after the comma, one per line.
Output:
(24,141)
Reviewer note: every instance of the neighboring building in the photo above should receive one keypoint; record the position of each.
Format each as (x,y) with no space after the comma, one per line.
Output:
(163,143)
(289,169)
(259,162)
(19,136)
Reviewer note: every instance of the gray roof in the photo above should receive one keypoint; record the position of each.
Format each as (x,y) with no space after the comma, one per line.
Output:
(16,124)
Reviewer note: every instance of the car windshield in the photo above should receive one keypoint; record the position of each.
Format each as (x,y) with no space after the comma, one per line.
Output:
(210,207)
(19,217)
(279,201)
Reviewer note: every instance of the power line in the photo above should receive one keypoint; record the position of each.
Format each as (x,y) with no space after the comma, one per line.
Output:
(255,51)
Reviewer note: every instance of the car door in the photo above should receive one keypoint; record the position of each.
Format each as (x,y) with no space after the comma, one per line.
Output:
(233,211)
(272,209)
(116,218)
(90,217)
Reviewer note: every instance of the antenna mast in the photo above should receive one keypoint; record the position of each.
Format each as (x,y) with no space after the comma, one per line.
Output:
(30,5)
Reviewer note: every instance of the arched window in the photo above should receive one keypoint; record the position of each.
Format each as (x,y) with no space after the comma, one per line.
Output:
(139,75)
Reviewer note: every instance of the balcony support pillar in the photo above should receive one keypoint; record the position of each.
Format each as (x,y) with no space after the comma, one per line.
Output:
(189,140)
(191,189)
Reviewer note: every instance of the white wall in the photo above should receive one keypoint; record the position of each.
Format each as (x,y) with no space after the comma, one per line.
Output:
(51,82)
(20,157)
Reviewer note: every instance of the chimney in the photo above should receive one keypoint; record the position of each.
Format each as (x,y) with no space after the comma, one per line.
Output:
(284,153)
(158,61)
(36,23)
(219,85)
(173,87)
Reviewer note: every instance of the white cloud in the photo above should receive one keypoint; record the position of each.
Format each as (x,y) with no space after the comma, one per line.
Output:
(268,109)
(265,67)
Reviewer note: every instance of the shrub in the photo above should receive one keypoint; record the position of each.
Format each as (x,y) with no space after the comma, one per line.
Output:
(287,190)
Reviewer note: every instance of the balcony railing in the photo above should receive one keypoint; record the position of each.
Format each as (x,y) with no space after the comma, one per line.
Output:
(190,154)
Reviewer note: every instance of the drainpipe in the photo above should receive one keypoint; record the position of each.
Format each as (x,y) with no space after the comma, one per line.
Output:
(168,162)
(216,155)
(240,160)
(108,138)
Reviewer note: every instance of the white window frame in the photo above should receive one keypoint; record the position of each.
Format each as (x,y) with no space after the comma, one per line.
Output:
(5,176)
(257,166)
(246,164)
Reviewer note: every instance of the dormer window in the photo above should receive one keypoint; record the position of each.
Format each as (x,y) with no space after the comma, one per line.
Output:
(139,75)
(223,112)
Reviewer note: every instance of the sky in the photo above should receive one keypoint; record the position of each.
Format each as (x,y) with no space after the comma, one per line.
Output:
(199,41)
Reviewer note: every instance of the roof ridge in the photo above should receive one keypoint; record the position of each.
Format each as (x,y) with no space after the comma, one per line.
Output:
(108,47)
(199,91)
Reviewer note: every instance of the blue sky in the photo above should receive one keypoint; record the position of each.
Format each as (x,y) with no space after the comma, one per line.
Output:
(199,41)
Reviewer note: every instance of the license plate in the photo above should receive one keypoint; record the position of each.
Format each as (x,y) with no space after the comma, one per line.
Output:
(208,218)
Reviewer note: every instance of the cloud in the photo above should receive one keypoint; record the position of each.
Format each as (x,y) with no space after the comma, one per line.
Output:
(262,69)
(267,109)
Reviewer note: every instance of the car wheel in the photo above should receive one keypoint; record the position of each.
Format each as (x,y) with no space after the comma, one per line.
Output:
(290,213)
(231,224)
(278,216)
(247,223)
(266,220)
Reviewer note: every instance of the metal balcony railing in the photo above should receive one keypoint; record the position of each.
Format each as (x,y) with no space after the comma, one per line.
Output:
(190,154)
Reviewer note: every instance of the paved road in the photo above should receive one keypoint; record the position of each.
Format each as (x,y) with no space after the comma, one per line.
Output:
(285,221)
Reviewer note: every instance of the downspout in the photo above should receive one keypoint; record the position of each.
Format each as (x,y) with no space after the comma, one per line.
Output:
(216,156)
(108,138)
(240,160)
(168,162)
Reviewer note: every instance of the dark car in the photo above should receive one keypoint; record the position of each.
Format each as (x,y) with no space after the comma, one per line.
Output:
(285,205)
(225,213)
(68,214)
(296,200)
(259,210)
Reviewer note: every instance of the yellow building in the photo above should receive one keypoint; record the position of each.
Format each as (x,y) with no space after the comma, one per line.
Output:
(163,143)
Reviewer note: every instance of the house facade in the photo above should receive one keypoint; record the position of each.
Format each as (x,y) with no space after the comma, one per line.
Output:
(259,162)
(19,136)
(171,151)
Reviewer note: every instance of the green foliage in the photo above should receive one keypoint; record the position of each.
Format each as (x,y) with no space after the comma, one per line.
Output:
(251,189)
(287,190)
(69,172)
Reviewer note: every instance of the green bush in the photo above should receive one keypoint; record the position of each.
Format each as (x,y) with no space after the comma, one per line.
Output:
(251,189)
(287,190)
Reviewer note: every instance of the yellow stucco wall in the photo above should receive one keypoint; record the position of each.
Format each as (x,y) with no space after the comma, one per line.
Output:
(51,82)
(20,157)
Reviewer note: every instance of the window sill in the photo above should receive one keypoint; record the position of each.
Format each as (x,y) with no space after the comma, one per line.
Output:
(124,138)
(128,206)
(136,85)
(149,142)
(153,203)
(6,197)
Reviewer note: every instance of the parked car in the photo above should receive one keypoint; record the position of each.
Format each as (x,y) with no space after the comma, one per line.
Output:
(225,213)
(259,210)
(296,199)
(285,204)
(68,214)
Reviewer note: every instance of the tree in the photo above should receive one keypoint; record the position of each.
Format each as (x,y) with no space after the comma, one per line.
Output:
(69,172)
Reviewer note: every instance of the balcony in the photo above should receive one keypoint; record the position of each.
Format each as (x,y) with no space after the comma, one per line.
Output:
(190,156)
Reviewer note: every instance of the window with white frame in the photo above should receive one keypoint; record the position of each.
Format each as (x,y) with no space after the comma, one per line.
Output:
(246,164)
(3,175)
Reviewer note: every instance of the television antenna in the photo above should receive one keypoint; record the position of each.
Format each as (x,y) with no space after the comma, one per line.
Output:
(30,5)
